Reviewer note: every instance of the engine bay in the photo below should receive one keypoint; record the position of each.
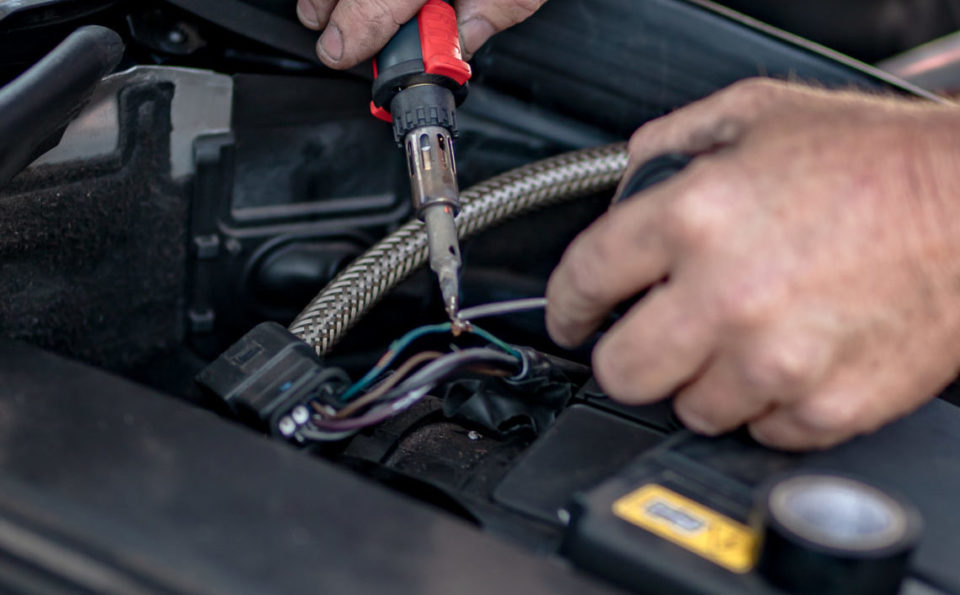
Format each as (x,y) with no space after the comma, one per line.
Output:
(224,367)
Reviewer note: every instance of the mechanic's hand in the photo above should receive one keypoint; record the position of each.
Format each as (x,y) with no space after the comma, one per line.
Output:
(355,30)
(805,269)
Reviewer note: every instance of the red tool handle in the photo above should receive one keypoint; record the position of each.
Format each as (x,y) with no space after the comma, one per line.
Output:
(427,49)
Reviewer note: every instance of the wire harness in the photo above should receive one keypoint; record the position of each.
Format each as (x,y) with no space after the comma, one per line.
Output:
(386,395)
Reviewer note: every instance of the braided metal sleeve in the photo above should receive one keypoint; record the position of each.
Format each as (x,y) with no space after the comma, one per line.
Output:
(361,285)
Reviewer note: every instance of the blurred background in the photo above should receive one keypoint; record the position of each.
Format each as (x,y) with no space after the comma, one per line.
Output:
(873,31)
(869,30)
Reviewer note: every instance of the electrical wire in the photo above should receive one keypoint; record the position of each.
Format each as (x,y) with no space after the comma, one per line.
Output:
(506,347)
(405,386)
(438,370)
(374,416)
(503,308)
(418,385)
(395,349)
(398,346)
(391,381)
(317,436)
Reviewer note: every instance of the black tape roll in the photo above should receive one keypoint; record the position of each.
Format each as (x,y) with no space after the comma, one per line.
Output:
(830,534)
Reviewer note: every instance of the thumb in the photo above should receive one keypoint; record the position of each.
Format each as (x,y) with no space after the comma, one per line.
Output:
(481,19)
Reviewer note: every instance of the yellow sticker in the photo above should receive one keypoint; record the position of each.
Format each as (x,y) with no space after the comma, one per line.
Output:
(690,525)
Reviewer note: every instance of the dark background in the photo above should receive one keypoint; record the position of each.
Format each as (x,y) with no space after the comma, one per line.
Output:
(869,30)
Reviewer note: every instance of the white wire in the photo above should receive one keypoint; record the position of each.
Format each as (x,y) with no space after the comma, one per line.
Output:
(503,308)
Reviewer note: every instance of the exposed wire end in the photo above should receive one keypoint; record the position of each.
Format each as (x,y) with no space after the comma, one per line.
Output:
(503,345)
(460,326)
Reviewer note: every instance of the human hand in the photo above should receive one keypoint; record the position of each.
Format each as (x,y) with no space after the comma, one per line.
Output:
(804,269)
(355,30)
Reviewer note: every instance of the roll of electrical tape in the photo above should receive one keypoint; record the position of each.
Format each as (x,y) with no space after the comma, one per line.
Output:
(830,534)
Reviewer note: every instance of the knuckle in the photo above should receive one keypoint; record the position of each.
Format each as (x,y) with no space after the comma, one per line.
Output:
(623,366)
(504,13)
(781,367)
(524,8)
(612,371)
(725,130)
(586,261)
(782,432)
(693,220)
(827,418)
(643,136)
(748,303)
(367,12)
(696,419)
(756,90)
(775,435)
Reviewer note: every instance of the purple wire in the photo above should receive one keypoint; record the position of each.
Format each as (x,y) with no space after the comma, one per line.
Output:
(374,416)
(415,388)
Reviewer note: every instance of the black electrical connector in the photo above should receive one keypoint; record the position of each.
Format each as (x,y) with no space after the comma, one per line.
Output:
(526,403)
(269,378)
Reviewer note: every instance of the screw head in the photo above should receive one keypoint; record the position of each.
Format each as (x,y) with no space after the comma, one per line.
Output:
(176,36)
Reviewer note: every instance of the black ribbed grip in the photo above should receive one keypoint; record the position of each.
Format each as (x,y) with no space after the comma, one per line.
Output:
(423,105)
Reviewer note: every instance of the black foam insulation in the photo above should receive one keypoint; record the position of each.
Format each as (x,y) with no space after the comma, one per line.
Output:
(92,253)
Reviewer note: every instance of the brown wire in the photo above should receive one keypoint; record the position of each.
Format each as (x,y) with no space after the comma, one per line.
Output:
(488,371)
(391,381)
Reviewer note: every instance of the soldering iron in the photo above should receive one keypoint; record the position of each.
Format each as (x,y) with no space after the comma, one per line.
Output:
(419,79)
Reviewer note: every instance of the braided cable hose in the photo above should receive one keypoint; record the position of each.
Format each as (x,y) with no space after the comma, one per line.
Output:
(361,285)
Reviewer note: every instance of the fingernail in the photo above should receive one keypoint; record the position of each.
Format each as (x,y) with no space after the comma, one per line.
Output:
(474,32)
(696,424)
(558,336)
(331,43)
(307,13)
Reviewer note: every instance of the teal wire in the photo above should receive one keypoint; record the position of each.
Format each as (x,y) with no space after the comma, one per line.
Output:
(494,340)
(398,346)
(395,349)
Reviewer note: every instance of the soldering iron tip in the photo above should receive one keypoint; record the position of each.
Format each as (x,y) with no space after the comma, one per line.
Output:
(451,295)
(452,306)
